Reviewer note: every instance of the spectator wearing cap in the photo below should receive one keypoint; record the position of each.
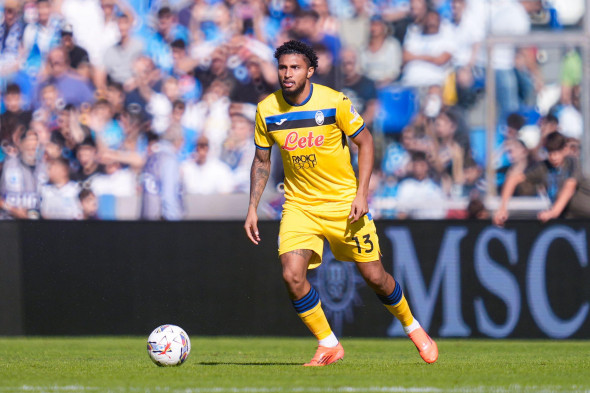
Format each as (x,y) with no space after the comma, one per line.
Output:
(85,19)
(77,55)
(11,30)
(381,59)
(167,31)
(94,25)
(119,58)
(72,88)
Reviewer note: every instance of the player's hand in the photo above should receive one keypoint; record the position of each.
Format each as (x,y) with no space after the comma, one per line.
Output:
(546,215)
(251,226)
(500,217)
(359,208)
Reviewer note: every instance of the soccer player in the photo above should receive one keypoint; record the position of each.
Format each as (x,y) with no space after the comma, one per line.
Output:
(324,200)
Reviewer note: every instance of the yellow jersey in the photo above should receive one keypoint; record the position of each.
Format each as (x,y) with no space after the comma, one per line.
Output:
(312,141)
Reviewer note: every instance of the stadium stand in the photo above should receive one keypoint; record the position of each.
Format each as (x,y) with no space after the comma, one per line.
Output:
(142,77)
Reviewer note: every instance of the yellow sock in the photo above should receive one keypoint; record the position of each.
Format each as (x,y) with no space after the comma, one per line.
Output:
(309,309)
(402,312)
(316,322)
(397,304)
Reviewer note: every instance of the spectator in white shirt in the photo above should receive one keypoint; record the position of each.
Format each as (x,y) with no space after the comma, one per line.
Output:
(381,60)
(116,180)
(205,175)
(419,196)
(427,53)
(59,198)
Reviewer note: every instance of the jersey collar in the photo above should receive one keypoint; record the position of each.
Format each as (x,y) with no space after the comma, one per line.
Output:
(304,101)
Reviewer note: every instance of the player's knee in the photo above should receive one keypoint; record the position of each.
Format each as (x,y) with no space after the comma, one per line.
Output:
(376,279)
(292,278)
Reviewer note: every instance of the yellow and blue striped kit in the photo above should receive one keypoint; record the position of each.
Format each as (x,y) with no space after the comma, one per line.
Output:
(312,141)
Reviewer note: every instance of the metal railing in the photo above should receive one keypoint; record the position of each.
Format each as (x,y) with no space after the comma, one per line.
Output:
(579,39)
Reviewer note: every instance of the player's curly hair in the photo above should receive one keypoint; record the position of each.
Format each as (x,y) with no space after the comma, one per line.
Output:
(298,47)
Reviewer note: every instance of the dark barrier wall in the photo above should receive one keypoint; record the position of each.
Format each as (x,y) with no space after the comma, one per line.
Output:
(463,279)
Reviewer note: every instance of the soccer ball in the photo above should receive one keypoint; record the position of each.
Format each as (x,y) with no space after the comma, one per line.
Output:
(168,345)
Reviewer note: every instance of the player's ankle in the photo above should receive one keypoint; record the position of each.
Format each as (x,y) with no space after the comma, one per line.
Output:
(330,342)
(411,327)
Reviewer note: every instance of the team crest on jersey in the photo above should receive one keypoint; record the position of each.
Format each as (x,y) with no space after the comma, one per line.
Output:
(319,118)
(337,284)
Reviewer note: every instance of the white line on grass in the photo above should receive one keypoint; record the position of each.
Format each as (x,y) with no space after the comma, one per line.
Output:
(344,389)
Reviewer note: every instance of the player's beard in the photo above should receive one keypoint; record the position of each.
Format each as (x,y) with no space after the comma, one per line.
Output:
(292,93)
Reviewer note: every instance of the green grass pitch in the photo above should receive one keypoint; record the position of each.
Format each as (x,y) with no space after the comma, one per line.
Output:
(262,365)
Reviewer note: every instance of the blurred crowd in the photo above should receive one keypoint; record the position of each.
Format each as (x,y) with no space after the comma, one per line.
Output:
(107,101)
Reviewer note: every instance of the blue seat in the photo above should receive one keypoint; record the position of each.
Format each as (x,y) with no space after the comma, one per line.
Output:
(398,106)
(477,140)
(107,207)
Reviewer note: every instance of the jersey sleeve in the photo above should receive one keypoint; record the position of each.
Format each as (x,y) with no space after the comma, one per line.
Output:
(347,118)
(262,139)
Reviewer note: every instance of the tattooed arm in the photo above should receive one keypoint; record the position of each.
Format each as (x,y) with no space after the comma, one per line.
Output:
(258,177)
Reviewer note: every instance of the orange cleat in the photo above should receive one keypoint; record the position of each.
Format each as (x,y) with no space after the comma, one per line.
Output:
(326,355)
(426,346)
